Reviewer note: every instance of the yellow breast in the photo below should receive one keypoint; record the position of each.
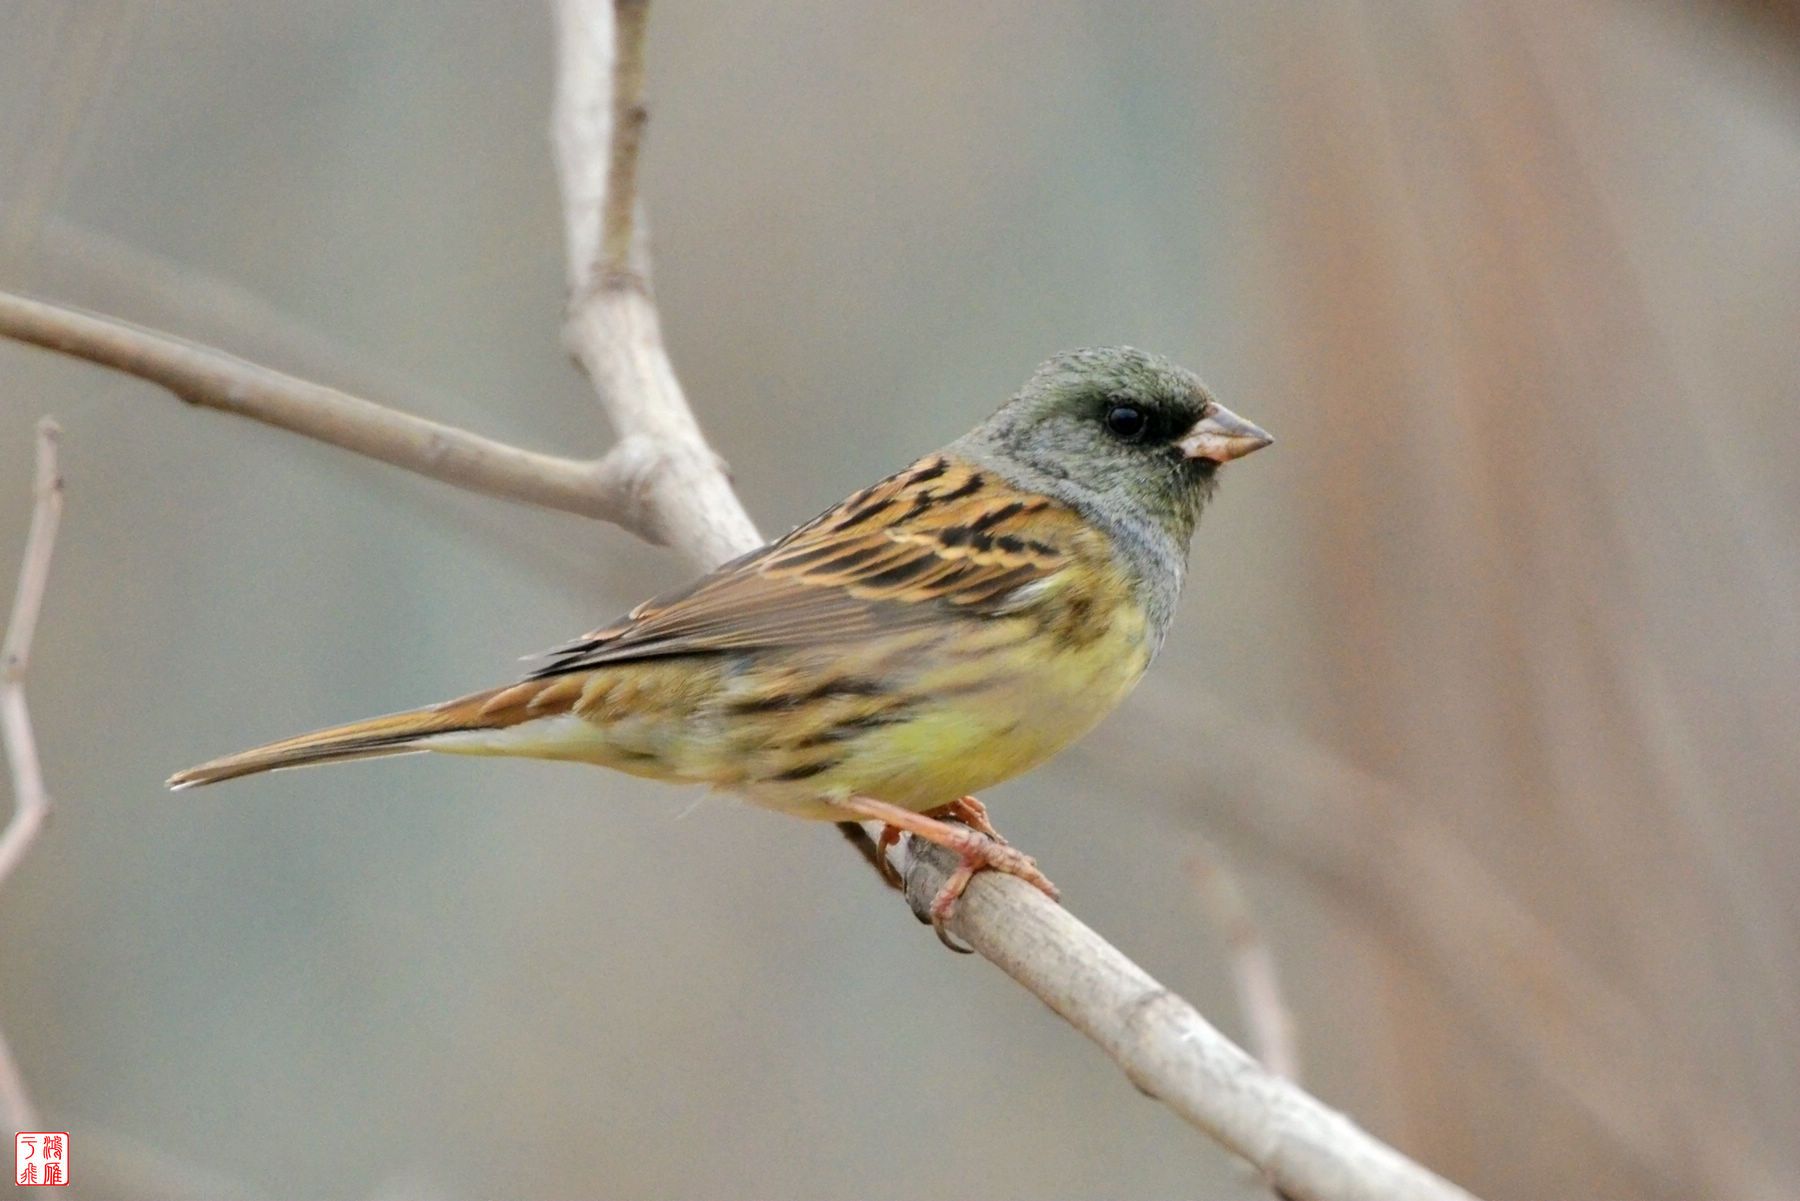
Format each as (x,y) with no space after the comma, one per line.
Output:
(917,716)
(970,706)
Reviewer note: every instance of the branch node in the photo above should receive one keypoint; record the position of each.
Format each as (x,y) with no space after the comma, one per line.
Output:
(632,470)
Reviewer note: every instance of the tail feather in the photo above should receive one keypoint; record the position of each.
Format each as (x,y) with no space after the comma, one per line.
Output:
(397,734)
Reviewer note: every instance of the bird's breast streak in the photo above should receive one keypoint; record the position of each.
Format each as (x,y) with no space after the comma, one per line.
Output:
(973,722)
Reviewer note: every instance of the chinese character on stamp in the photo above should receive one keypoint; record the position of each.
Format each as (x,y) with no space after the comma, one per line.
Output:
(41,1157)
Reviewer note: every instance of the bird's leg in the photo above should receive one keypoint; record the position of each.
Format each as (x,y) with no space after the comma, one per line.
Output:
(977,849)
(970,812)
(890,836)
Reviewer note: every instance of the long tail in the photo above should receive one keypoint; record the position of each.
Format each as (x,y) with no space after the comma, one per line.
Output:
(398,734)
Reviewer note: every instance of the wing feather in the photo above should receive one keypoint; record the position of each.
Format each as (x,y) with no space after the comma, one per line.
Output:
(941,536)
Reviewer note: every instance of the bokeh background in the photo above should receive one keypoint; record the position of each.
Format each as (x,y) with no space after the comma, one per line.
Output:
(1486,685)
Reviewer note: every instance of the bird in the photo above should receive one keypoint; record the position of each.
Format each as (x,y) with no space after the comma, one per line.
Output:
(947,628)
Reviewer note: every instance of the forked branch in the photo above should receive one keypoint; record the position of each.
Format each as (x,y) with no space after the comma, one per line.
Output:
(664,482)
(612,327)
(607,488)
(31,801)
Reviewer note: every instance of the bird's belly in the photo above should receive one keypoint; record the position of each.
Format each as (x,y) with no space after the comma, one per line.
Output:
(916,720)
(969,726)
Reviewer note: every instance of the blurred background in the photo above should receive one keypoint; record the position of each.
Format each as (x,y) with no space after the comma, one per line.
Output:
(1486,683)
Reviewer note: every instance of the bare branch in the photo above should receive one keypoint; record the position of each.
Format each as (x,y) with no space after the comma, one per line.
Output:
(620,213)
(608,488)
(31,802)
(16,1109)
(1278,794)
(1160,1041)
(1266,1013)
(1165,1047)
(612,327)
(664,482)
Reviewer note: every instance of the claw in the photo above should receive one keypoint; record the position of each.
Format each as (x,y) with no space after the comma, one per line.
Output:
(976,845)
(890,837)
(981,851)
(970,812)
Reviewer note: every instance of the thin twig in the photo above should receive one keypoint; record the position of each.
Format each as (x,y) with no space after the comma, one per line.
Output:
(1165,1047)
(612,327)
(613,331)
(619,220)
(1266,1014)
(31,802)
(680,492)
(607,488)
(1283,797)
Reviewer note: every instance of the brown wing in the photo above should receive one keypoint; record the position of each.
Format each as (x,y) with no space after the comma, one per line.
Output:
(941,536)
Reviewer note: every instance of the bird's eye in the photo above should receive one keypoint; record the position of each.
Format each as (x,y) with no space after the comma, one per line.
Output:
(1126,422)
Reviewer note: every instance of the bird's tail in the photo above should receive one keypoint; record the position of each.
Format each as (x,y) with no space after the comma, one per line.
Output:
(398,734)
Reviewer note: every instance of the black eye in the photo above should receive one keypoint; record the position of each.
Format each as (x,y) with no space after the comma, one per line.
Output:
(1126,422)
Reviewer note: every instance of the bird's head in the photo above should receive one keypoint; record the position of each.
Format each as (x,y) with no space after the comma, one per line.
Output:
(1121,434)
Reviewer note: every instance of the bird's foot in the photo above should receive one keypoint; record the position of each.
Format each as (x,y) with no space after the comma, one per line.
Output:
(979,851)
(970,812)
(976,845)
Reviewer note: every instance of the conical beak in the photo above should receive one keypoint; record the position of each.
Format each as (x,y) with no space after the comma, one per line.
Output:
(1222,436)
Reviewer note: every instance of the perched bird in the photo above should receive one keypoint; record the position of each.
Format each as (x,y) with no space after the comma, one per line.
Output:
(945,629)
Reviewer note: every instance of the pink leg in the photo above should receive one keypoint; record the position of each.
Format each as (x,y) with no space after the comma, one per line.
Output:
(977,849)
(970,812)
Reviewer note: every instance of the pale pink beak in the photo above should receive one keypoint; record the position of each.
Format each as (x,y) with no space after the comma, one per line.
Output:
(1221,435)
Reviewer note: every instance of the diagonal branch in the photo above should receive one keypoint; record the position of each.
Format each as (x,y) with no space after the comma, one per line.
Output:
(664,482)
(1165,1047)
(607,488)
(1275,793)
(31,802)
(1267,1018)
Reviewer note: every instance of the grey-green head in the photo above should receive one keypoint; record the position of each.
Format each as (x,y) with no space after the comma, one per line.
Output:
(1130,440)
